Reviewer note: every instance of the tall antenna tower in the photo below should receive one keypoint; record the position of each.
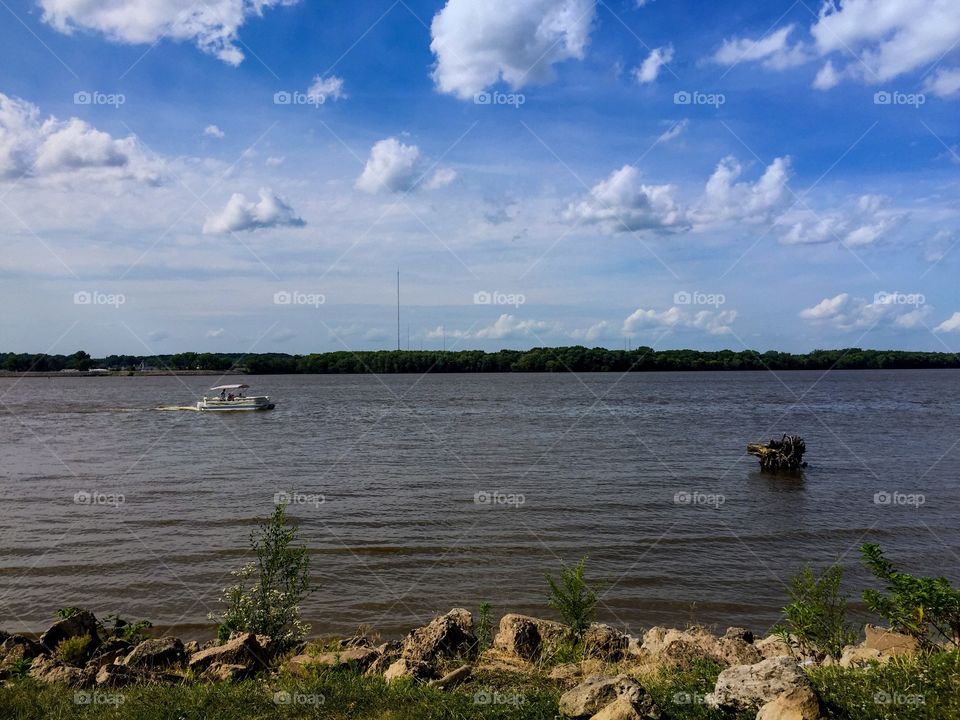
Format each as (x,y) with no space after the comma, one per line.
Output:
(398,308)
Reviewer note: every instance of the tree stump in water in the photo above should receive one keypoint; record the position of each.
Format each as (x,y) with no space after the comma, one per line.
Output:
(783,454)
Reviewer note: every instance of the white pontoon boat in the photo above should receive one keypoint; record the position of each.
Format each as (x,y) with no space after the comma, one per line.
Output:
(232,399)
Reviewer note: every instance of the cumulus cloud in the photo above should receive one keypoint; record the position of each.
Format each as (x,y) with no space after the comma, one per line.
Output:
(441,178)
(213,25)
(391,167)
(479,43)
(504,327)
(886,40)
(328,88)
(622,203)
(597,331)
(951,324)
(34,147)
(213,131)
(845,312)
(726,200)
(713,322)
(271,211)
(866,221)
(650,68)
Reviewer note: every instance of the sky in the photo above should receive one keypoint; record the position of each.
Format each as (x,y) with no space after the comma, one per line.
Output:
(250,175)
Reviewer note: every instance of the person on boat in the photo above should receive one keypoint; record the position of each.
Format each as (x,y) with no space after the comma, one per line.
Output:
(230,397)
(223,394)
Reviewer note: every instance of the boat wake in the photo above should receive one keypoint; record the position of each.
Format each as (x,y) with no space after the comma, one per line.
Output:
(171,408)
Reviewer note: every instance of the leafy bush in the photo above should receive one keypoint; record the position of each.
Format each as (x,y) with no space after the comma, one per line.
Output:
(918,687)
(816,617)
(73,650)
(267,598)
(68,612)
(130,630)
(573,598)
(20,668)
(928,608)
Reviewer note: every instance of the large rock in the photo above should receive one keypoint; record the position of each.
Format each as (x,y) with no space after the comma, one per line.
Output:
(597,692)
(775,646)
(359,658)
(406,669)
(243,650)
(745,686)
(18,647)
(857,656)
(445,637)
(796,704)
(82,623)
(682,647)
(109,652)
(888,642)
(50,670)
(604,643)
(157,653)
(619,709)
(228,672)
(527,637)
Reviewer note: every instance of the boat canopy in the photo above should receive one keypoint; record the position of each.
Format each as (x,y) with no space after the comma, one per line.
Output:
(230,387)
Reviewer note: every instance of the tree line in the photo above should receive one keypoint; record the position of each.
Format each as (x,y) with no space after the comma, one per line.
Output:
(560,359)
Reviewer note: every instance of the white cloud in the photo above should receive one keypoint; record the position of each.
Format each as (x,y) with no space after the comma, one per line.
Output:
(597,331)
(213,25)
(391,167)
(504,327)
(215,333)
(845,312)
(327,88)
(650,68)
(213,131)
(441,178)
(726,200)
(951,324)
(674,131)
(773,50)
(36,148)
(867,221)
(886,39)
(622,203)
(944,83)
(714,322)
(275,160)
(239,214)
(478,43)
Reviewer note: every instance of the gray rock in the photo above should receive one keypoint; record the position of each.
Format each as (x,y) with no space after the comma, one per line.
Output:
(243,650)
(18,647)
(597,692)
(157,653)
(50,670)
(603,642)
(746,686)
(445,637)
(527,637)
(83,623)
(109,652)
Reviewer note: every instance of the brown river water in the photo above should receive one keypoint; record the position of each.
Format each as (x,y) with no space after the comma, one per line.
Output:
(417,494)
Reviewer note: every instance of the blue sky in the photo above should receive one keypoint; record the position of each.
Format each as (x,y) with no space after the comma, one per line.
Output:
(543,172)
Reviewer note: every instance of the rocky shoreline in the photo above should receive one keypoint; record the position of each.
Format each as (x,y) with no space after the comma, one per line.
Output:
(604,682)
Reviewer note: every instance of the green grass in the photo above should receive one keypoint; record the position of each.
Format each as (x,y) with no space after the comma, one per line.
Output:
(918,688)
(680,693)
(333,696)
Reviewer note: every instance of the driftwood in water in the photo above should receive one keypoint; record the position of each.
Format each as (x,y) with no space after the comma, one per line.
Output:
(783,454)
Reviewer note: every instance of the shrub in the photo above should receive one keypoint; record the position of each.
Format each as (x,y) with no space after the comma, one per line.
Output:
(484,626)
(919,687)
(928,608)
(267,598)
(73,650)
(68,612)
(573,598)
(816,617)
(130,630)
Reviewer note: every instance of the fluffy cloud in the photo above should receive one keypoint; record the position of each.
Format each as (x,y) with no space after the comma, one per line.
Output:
(239,214)
(478,43)
(391,167)
(864,222)
(212,25)
(844,312)
(213,131)
(394,167)
(327,88)
(952,324)
(504,327)
(887,39)
(622,203)
(726,200)
(51,148)
(650,68)
(714,322)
